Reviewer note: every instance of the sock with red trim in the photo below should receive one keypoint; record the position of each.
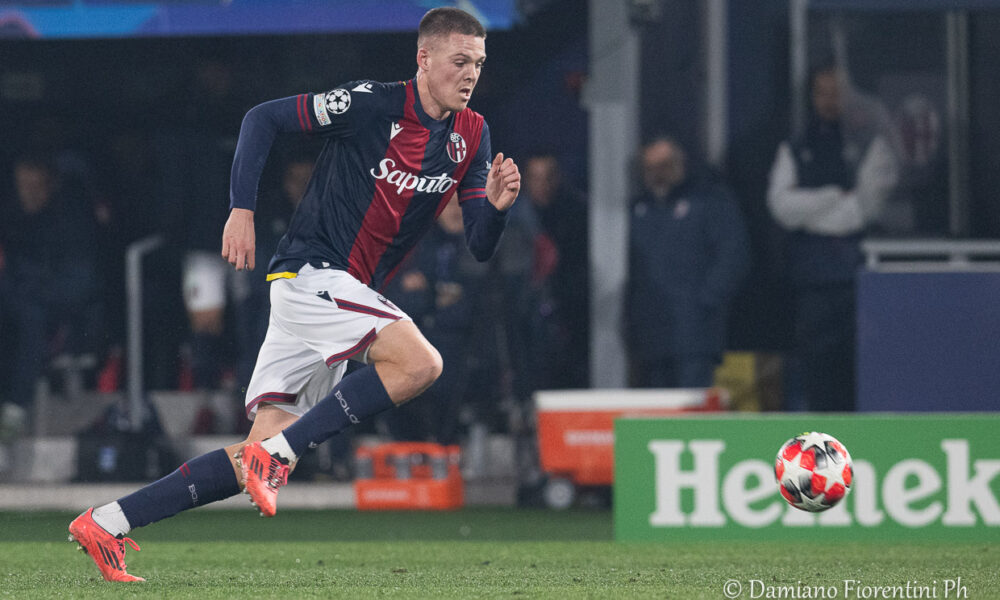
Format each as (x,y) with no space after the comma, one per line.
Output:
(357,397)
(199,481)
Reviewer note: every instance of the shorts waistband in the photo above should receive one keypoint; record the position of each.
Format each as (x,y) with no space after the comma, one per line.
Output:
(289,269)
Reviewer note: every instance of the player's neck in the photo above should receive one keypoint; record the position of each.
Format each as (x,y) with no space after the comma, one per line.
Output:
(431,108)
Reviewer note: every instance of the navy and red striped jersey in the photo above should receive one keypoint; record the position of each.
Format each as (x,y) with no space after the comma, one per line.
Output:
(386,171)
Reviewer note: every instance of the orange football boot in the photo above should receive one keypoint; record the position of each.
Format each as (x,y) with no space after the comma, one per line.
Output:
(107,550)
(263,474)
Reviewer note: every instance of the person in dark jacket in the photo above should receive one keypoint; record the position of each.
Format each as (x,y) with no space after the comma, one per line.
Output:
(48,276)
(826,188)
(688,256)
(561,275)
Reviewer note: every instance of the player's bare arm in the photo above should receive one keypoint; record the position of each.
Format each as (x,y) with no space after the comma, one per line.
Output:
(503,183)
(238,239)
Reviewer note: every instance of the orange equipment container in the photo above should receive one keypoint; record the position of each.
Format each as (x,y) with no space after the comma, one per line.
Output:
(576,435)
(408,476)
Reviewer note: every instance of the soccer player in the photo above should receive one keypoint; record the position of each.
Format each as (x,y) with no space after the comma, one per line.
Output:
(395,154)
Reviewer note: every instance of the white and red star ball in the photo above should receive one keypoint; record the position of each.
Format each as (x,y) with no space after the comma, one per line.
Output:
(813,471)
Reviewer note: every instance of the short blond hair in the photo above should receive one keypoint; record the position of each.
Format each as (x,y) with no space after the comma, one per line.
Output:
(445,21)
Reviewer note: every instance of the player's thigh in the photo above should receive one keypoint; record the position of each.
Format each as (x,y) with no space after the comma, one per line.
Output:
(399,342)
(405,361)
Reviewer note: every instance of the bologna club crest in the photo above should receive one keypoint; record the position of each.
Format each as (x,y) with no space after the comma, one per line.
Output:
(456,147)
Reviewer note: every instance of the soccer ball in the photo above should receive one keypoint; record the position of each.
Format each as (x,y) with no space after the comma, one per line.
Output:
(813,471)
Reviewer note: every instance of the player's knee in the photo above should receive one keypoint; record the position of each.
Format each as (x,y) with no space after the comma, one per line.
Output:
(424,367)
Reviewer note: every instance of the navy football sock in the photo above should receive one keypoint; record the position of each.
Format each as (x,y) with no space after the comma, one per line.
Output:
(358,396)
(199,481)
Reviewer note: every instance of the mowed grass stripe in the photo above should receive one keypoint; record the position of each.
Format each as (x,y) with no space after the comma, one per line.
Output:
(318,555)
(469,524)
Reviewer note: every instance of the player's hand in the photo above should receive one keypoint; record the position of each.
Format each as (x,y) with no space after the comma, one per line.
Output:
(503,183)
(238,239)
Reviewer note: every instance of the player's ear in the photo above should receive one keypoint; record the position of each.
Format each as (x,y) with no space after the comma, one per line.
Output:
(423,58)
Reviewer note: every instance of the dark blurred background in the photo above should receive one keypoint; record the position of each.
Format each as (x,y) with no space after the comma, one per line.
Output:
(137,127)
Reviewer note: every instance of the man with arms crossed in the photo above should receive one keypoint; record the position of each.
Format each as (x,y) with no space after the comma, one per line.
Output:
(395,154)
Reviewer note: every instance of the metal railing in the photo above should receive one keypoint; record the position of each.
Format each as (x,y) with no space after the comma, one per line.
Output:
(932,254)
(134,353)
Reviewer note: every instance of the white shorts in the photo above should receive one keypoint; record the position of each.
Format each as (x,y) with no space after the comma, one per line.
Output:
(206,277)
(319,320)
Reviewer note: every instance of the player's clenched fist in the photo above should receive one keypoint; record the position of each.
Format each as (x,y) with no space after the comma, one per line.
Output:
(503,182)
(238,239)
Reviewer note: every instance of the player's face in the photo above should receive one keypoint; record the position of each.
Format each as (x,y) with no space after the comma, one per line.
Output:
(451,66)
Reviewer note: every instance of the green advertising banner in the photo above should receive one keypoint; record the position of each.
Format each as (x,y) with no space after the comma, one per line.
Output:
(916,477)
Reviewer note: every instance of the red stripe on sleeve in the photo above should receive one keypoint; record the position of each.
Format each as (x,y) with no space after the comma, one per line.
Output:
(300,107)
(305,112)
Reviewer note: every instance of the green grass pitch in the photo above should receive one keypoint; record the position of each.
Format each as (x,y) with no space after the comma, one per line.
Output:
(472,553)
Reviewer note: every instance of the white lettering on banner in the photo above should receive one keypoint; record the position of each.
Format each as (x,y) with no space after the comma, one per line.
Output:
(387,495)
(737,497)
(704,480)
(864,498)
(909,492)
(897,497)
(864,495)
(962,491)
(584,437)
(794,517)
(404,181)
(836,516)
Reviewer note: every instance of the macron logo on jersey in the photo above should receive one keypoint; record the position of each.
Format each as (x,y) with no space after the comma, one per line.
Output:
(408,181)
(394,130)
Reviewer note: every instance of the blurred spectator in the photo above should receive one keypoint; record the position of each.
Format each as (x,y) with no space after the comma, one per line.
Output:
(196,160)
(442,287)
(560,274)
(124,217)
(826,188)
(688,256)
(48,276)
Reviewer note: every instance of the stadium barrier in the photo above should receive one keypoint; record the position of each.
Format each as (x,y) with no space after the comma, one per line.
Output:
(916,477)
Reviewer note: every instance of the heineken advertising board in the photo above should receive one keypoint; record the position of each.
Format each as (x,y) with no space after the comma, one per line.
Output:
(916,477)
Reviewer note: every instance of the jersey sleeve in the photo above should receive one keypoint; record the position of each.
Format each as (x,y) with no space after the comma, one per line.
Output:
(473,185)
(484,224)
(343,110)
(339,112)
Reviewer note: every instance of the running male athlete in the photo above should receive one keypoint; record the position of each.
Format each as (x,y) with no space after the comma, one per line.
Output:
(395,154)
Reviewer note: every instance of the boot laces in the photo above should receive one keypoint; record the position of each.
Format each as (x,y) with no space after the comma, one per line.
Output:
(121,548)
(277,475)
